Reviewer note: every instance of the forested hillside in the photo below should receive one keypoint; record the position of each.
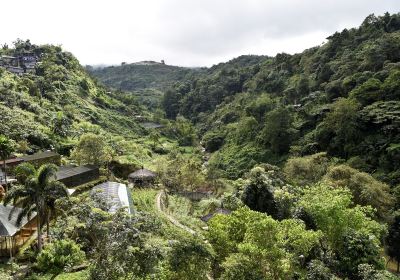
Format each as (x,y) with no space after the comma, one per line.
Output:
(259,168)
(342,97)
(60,101)
(141,75)
(146,80)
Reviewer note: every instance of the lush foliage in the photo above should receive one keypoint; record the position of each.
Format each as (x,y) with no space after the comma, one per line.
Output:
(59,255)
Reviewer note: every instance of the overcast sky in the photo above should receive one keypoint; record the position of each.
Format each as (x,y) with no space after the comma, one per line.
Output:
(182,32)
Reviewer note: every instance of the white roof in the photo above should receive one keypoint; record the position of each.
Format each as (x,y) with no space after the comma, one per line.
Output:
(116,194)
(8,227)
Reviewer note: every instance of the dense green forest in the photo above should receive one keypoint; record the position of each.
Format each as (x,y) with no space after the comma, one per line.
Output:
(299,155)
(341,98)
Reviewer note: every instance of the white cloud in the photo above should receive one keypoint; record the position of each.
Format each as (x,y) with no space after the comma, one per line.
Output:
(183,32)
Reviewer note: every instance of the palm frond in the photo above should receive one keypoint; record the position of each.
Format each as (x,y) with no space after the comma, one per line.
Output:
(46,172)
(14,193)
(24,171)
(56,189)
(26,212)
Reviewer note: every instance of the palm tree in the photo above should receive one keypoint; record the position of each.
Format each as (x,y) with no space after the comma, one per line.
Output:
(6,149)
(38,193)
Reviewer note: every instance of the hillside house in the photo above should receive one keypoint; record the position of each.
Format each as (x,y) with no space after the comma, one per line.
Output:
(11,163)
(28,62)
(12,236)
(21,64)
(36,159)
(16,70)
(7,60)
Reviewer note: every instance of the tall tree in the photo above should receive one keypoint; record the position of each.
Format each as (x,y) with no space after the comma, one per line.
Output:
(37,194)
(91,149)
(278,130)
(258,193)
(6,149)
(339,132)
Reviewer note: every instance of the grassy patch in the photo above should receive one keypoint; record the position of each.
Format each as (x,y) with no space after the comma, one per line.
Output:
(79,275)
(185,211)
(144,200)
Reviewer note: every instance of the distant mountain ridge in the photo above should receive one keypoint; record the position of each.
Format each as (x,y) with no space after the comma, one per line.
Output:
(141,75)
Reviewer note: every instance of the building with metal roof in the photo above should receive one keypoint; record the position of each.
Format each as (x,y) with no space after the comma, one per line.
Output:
(43,157)
(74,176)
(12,236)
(114,195)
(11,162)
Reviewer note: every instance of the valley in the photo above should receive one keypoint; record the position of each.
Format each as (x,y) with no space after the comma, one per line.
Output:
(283,167)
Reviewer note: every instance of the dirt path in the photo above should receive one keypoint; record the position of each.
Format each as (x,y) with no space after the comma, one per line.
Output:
(174,221)
(169,217)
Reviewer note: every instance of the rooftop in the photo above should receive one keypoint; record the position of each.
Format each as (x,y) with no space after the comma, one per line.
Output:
(142,173)
(9,227)
(11,161)
(40,155)
(116,194)
(8,57)
(69,171)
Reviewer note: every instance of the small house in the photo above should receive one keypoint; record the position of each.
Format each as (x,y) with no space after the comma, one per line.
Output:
(142,177)
(72,176)
(114,195)
(28,58)
(10,164)
(12,236)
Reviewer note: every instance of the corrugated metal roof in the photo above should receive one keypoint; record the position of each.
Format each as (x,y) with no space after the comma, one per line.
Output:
(65,172)
(9,227)
(116,194)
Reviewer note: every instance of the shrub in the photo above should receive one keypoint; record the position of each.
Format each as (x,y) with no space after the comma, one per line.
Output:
(59,255)
(213,141)
(317,270)
(366,189)
(306,170)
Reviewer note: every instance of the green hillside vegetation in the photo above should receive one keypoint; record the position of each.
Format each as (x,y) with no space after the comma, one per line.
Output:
(60,101)
(142,75)
(145,80)
(149,80)
(341,97)
(299,155)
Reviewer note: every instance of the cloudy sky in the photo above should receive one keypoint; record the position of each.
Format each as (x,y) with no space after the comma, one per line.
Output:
(182,32)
